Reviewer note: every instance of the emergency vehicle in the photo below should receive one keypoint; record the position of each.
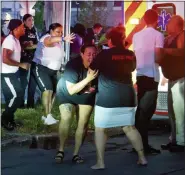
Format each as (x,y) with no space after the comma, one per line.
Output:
(134,22)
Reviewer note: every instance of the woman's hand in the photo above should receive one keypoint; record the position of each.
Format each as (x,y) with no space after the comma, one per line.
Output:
(92,74)
(69,38)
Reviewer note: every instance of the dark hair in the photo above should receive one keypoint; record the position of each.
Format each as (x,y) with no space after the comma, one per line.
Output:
(2,33)
(97,25)
(14,23)
(79,29)
(26,16)
(53,26)
(82,49)
(72,29)
(117,36)
(150,16)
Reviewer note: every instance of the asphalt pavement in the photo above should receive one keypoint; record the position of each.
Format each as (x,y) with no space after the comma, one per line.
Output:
(119,160)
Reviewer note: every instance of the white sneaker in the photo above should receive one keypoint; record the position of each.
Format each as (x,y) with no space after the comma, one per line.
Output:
(43,118)
(50,120)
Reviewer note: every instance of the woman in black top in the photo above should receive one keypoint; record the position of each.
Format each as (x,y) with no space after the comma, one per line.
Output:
(115,99)
(76,89)
(28,43)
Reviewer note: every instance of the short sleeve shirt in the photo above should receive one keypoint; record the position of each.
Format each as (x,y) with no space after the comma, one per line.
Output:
(74,73)
(76,45)
(115,67)
(144,44)
(12,44)
(50,57)
(30,35)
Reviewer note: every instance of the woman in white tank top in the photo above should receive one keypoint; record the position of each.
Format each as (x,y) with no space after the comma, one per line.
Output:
(48,59)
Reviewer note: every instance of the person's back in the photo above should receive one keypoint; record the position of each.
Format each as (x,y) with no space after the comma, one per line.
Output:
(80,33)
(115,78)
(118,65)
(144,43)
(170,61)
(92,34)
(115,99)
(77,43)
(89,38)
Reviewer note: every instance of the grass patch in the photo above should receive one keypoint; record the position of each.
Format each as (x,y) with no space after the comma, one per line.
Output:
(31,119)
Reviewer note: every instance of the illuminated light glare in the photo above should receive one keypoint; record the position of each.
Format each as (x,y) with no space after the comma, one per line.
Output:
(8,16)
(134,21)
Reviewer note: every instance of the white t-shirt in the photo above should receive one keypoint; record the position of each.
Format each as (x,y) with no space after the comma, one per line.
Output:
(144,44)
(13,44)
(51,57)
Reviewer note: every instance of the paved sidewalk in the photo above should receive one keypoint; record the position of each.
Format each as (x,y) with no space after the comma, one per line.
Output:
(118,159)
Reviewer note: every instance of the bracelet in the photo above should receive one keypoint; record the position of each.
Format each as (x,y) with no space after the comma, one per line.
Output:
(63,39)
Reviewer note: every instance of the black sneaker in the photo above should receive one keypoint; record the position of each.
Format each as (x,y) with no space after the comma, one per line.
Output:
(17,124)
(8,125)
(177,148)
(166,146)
(152,151)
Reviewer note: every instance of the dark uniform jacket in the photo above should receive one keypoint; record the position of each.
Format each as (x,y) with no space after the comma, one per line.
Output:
(30,35)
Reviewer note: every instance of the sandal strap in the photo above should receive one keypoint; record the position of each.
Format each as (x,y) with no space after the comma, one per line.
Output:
(77,159)
(60,154)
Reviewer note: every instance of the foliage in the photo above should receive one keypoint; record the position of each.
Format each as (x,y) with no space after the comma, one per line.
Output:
(31,119)
(90,14)
(39,13)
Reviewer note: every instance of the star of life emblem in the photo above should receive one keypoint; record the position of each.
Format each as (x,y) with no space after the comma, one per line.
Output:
(163,19)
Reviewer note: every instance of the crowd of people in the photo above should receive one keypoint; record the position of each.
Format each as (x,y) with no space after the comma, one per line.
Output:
(97,79)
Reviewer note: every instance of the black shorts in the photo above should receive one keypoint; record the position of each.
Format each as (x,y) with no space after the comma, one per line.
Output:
(46,78)
(82,99)
(64,97)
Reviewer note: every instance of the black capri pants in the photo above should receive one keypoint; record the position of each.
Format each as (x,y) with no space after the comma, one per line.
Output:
(46,78)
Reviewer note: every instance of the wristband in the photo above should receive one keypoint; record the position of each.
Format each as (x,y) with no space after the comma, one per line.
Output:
(63,39)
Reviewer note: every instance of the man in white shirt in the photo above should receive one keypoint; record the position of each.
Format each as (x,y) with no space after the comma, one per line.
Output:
(11,87)
(144,44)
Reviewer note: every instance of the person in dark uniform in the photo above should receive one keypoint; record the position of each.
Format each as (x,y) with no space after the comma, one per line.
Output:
(76,89)
(92,34)
(28,43)
(115,100)
(10,79)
